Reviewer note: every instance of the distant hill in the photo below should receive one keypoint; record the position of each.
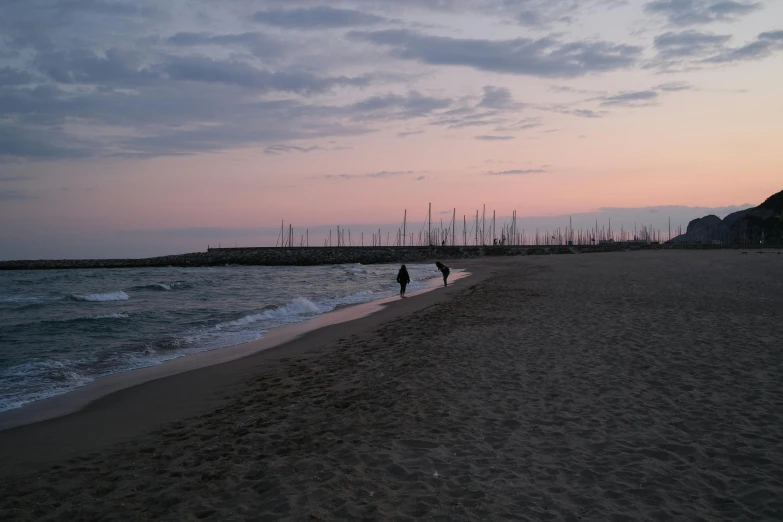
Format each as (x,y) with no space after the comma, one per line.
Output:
(751,226)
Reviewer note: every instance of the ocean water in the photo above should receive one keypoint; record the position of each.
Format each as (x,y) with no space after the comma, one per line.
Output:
(61,329)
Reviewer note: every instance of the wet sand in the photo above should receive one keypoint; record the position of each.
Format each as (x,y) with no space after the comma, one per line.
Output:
(638,386)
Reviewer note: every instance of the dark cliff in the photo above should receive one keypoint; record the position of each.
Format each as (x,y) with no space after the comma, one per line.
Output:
(763,223)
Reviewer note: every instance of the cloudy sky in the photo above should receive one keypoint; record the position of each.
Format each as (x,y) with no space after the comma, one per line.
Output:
(143,127)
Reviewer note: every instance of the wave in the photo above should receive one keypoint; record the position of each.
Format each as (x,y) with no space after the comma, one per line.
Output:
(35,380)
(162,287)
(355,268)
(111,316)
(154,286)
(111,296)
(27,299)
(362,296)
(299,307)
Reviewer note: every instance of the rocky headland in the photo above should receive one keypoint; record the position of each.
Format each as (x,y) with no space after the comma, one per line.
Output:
(759,225)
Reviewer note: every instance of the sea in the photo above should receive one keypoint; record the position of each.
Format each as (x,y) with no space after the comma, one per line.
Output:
(62,329)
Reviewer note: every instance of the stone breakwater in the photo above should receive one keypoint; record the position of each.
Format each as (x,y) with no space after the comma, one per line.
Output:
(276,256)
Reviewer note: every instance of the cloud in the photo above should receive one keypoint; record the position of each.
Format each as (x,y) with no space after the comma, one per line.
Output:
(688,43)
(410,105)
(420,178)
(569,89)
(279,149)
(104,8)
(523,124)
(256,43)
(772,35)
(631,99)
(765,45)
(10,76)
(83,78)
(674,87)
(522,172)
(730,9)
(530,18)
(543,14)
(321,17)
(544,57)
(468,121)
(494,138)
(496,108)
(572,110)
(693,49)
(47,144)
(497,98)
(166,119)
(371,175)
(646,98)
(171,117)
(696,12)
(8,195)
(203,69)
(585,113)
(84,66)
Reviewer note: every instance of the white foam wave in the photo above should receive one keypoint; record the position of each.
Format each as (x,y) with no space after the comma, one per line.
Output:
(111,316)
(299,307)
(41,379)
(111,296)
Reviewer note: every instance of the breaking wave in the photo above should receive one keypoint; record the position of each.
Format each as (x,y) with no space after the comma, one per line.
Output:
(41,379)
(111,296)
(299,307)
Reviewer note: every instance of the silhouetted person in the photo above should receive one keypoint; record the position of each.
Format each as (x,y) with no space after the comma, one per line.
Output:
(443,270)
(403,278)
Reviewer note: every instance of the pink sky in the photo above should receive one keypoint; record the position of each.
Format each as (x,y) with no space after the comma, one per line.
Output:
(329,113)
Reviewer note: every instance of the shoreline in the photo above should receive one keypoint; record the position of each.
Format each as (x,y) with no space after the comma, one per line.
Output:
(169,386)
(78,398)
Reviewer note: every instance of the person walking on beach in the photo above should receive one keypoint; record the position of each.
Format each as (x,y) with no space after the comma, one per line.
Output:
(403,278)
(443,270)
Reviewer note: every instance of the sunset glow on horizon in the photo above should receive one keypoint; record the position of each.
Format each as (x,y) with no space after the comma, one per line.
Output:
(134,129)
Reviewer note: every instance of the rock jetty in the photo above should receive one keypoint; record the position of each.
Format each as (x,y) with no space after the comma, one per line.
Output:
(308,256)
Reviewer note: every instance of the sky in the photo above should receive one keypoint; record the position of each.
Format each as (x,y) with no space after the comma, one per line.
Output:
(141,128)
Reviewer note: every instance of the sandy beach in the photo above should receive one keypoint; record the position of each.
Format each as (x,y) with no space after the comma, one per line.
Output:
(618,386)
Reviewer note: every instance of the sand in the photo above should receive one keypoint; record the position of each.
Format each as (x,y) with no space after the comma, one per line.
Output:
(622,386)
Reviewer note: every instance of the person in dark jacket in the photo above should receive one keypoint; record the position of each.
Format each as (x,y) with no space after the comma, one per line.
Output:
(443,270)
(403,278)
